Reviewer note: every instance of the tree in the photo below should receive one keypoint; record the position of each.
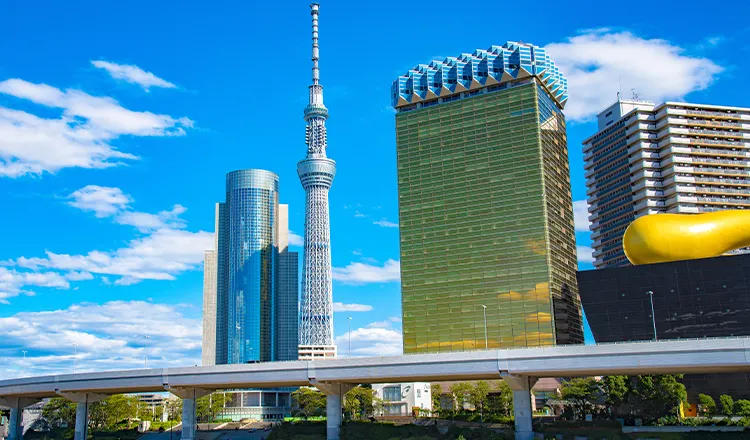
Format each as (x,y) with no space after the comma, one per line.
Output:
(59,412)
(461,392)
(207,407)
(435,392)
(659,395)
(500,402)
(358,402)
(580,392)
(741,408)
(478,395)
(727,404)
(616,390)
(108,413)
(309,402)
(706,405)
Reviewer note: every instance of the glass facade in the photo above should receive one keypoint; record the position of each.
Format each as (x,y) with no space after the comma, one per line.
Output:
(486,219)
(256,277)
(287,316)
(252,201)
(692,299)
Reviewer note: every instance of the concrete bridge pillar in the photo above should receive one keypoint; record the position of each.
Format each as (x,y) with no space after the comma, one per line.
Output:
(334,393)
(189,397)
(521,386)
(15,426)
(82,401)
(15,423)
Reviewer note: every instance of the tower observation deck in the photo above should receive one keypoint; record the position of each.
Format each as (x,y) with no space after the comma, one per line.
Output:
(316,173)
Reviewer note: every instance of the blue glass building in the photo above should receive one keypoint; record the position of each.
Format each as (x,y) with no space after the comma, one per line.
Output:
(256,285)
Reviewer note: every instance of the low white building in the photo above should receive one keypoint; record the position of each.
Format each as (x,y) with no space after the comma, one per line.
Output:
(400,398)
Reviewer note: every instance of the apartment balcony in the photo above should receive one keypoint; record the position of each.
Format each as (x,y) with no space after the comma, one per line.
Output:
(695,169)
(643,146)
(743,153)
(711,113)
(649,203)
(714,133)
(719,180)
(645,183)
(643,154)
(640,126)
(725,162)
(645,164)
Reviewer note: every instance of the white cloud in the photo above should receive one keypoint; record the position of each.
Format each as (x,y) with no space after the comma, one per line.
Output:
(581,215)
(113,202)
(380,324)
(12,282)
(341,307)
(161,255)
(585,254)
(372,341)
(599,59)
(358,214)
(133,74)
(147,222)
(106,336)
(295,239)
(164,251)
(360,273)
(385,223)
(102,201)
(80,137)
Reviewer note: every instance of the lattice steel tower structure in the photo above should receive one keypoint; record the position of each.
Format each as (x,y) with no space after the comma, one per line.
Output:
(316,173)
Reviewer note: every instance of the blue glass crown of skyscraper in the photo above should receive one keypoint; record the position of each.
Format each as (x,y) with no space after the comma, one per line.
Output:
(496,65)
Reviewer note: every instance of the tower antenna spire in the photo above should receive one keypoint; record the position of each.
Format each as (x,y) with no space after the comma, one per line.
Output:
(314,11)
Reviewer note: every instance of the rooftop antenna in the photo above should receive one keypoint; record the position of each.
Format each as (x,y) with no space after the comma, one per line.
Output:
(635,95)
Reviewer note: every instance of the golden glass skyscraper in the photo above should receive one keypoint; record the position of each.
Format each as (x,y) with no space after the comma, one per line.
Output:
(485,207)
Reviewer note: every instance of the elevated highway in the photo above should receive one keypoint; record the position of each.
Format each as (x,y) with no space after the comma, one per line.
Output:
(520,368)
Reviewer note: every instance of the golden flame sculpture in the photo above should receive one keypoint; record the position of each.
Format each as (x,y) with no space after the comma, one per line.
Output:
(660,238)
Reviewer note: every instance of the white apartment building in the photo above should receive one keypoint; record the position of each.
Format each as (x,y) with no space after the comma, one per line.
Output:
(673,157)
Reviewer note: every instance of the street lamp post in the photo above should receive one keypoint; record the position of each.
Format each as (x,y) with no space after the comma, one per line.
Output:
(145,355)
(484,310)
(349,319)
(653,316)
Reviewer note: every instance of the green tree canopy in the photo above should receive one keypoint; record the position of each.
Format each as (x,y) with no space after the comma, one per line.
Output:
(309,402)
(706,405)
(660,395)
(59,411)
(461,393)
(616,391)
(435,392)
(581,393)
(727,404)
(500,401)
(207,407)
(742,408)
(358,402)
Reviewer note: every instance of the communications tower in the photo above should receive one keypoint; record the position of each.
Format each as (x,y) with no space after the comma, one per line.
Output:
(316,173)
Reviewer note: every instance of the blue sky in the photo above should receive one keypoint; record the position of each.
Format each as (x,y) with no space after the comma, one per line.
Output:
(119,122)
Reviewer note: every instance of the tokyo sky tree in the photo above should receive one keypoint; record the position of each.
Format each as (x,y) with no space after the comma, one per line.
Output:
(316,173)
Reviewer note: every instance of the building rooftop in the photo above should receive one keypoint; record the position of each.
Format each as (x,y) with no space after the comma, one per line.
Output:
(497,65)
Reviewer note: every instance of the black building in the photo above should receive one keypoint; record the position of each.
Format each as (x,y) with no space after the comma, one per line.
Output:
(692,299)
